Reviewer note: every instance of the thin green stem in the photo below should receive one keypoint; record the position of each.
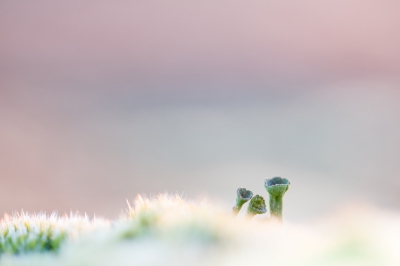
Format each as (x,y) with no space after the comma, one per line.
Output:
(276,206)
(238,206)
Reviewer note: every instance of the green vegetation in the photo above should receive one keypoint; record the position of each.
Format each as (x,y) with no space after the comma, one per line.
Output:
(256,206)
(168,230)
(24,233)
(276,188)
(242,196)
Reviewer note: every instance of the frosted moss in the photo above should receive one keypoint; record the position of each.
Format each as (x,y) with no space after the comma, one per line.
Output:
(24,233)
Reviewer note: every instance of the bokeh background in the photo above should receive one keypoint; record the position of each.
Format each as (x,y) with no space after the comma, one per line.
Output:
(101,100)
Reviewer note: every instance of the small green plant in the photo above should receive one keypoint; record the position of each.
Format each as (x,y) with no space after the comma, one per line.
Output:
(242,196)
(256,206)
(24,233)
(276,188)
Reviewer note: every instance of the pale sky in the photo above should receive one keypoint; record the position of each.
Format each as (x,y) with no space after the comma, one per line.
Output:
(102,100)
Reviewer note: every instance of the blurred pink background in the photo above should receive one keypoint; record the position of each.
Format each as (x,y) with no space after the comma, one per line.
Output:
(101,100)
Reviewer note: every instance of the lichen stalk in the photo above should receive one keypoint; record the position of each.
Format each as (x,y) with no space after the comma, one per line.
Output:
(276,188)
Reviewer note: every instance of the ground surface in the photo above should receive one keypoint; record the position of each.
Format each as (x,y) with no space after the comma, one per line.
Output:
(168,230)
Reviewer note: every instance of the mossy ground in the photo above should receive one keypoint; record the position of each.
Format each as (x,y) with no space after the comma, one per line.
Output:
(168,230)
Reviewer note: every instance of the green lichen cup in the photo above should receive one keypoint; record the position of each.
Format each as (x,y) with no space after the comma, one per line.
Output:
(242,196)
(276,188)
(256,206)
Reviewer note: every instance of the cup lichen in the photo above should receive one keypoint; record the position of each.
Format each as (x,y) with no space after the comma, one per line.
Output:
(242,196)
(256,206)
(276,188)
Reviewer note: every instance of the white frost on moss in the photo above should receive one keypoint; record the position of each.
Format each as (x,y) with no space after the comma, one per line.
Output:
(171,231)
(24,233)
